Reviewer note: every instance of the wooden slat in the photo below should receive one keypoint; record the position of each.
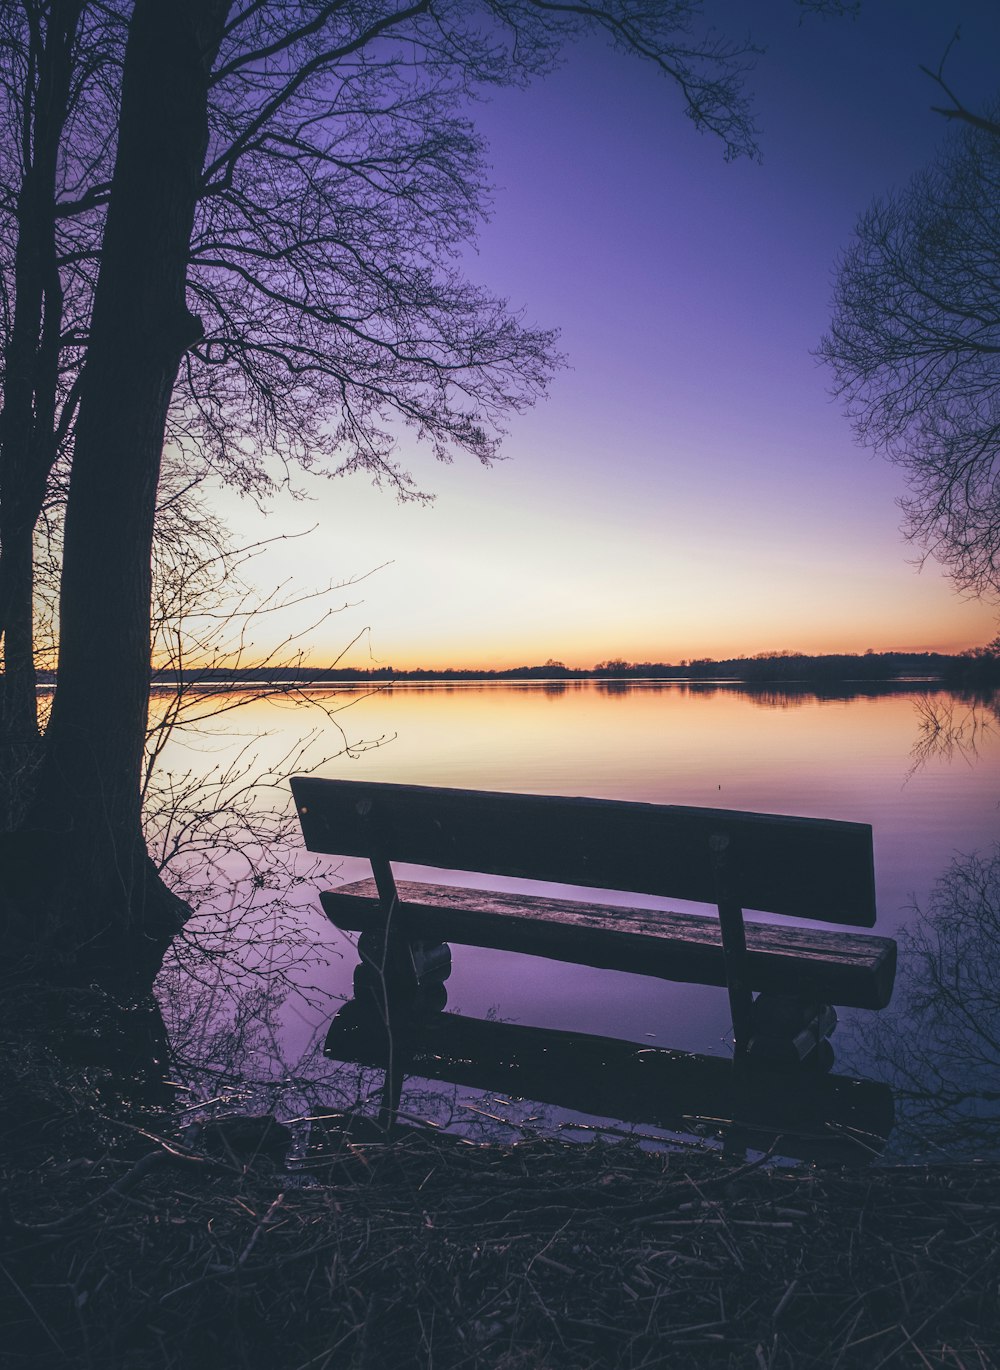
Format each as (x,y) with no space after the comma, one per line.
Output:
(816,1116)
(801,867)
(848,969)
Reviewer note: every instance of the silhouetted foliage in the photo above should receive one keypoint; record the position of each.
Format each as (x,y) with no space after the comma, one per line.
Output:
(875,668)
(263,203)
(341,174)
(978,668)
(915,341)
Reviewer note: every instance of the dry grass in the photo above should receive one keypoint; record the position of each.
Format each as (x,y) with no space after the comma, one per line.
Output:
(122,1247)
(426,1251)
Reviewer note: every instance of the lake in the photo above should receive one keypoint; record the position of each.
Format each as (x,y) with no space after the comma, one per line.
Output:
(917,763)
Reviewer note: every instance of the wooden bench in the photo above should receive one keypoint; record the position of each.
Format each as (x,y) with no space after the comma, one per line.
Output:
(803,868)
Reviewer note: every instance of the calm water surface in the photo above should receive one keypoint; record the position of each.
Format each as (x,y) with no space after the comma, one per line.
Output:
(919,765)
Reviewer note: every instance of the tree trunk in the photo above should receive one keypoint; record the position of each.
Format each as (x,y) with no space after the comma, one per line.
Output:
(18,700)
(19,743)
(97,904)
(31,369)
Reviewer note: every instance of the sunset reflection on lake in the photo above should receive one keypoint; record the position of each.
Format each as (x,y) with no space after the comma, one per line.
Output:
(856,758)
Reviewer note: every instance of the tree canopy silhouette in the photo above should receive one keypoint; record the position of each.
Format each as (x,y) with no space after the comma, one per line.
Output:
(233,225)
(915,346)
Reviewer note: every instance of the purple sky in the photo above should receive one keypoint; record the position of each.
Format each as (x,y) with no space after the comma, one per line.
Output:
(688,488)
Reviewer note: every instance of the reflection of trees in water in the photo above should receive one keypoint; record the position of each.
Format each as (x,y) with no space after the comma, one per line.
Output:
(778,699)
(616,689)
(225,993)
(792,696)
(939,1043)
(951,725)
(227,996)
(784,694)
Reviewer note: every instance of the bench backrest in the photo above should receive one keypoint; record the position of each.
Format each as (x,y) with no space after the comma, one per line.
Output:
(800,867)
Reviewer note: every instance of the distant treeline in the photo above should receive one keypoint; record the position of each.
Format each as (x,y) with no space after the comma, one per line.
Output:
(978,667)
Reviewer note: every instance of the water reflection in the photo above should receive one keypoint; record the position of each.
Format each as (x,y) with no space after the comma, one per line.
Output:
(791,695)
(398,1025)
(939,1045)
(935,1052)
(393,1051)
(768,695)
(257,1042)
(953,724)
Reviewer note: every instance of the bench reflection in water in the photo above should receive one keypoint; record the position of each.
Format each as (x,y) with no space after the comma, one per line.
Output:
(402,1029)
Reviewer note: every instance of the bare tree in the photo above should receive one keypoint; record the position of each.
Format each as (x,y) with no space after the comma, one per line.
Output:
(915,347)
(59,73)
(342,174)
(224,831)
(290,182)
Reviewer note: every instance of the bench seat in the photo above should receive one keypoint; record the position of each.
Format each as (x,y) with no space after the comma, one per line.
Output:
(850,970)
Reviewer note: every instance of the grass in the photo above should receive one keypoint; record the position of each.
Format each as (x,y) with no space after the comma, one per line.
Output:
(121,1246)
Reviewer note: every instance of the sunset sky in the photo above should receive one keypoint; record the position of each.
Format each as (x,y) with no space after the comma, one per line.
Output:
(688,488)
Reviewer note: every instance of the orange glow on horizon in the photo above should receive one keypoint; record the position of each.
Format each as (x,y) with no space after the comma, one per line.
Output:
(444,659)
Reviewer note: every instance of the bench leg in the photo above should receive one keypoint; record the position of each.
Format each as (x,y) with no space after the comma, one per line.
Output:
(788,1031)
(387,1017)
(741,1008)
(404,964)
(734,946)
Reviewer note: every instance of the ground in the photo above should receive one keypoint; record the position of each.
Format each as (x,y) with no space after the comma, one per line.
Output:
(125,1242)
